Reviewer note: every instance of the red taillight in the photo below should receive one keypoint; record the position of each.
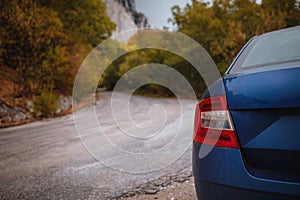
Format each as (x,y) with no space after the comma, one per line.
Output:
(213,124)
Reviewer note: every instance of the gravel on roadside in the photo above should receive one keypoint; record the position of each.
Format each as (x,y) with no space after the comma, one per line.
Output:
(169,187)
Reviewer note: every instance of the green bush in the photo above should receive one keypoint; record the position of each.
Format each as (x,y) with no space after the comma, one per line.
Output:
(45,104)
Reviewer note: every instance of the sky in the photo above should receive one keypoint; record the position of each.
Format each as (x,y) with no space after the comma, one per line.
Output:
(159,11)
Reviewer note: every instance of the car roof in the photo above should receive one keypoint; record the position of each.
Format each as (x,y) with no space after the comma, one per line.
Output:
(279,31)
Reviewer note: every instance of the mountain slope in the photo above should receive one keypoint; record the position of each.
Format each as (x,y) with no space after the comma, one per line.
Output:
(125,15)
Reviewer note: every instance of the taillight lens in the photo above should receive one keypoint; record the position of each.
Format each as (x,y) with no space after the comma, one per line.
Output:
(213,124)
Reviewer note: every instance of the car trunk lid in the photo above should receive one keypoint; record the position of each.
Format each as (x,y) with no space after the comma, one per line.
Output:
(265,109)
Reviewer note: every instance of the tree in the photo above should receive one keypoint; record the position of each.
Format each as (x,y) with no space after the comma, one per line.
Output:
(145,56)
(29,38)
(278,14)
(83,21)
(223,28)
(46,41)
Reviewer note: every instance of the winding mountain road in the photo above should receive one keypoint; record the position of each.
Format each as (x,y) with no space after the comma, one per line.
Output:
(48,159)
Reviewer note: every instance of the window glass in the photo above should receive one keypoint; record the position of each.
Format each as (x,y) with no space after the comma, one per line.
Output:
(282,46)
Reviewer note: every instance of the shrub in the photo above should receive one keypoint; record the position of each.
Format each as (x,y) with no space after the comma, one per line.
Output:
(45,104)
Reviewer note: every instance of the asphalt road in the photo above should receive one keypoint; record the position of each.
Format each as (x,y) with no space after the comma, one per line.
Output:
(48,159)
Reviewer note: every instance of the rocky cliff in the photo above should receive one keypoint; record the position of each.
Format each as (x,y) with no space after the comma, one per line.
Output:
(139,18)
(124,14)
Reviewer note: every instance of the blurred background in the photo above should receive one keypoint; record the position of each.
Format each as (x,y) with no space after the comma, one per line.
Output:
(42,46)
(43,43)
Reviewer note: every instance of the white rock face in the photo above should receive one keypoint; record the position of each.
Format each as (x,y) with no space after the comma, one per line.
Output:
(124,17)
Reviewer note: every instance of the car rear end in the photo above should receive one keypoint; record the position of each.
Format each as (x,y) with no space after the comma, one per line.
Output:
(247,126)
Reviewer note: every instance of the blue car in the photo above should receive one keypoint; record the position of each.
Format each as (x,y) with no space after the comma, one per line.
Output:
(246,141)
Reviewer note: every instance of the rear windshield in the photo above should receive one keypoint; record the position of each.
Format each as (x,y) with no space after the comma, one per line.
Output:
(269,50)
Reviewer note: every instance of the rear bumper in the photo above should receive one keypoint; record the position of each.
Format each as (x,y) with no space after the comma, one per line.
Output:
(222,175)
(211,191)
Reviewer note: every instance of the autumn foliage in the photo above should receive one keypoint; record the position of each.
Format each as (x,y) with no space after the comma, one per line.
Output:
(225,26)
(46,41)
